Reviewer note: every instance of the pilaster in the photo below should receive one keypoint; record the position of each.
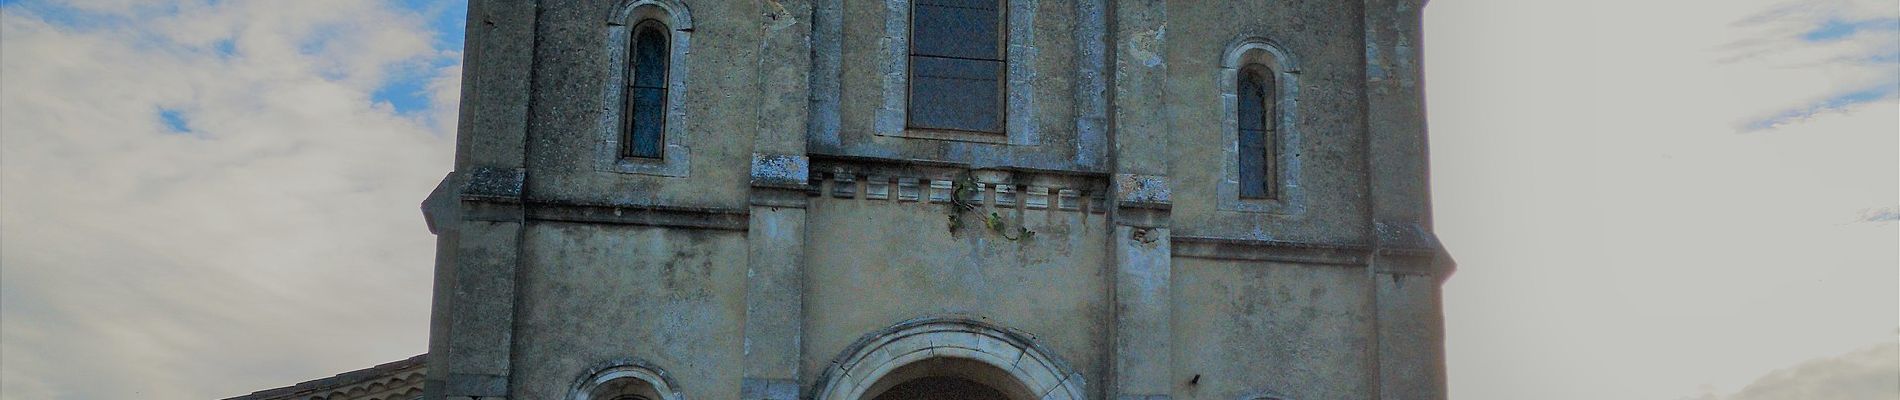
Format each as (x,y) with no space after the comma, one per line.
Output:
(477,211)
(1142,361)
(775,232)
(1407,263)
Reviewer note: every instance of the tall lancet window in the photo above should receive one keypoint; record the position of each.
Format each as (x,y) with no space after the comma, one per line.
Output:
(1258,144)
(645,122)
(957,62)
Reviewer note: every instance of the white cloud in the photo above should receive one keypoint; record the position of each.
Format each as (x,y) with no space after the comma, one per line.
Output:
(1890,214)
(277,240)
(1619,235)
(1847,52)
(1620,232)
(1868,374)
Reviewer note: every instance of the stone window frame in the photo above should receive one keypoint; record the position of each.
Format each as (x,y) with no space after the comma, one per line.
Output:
(1019,59)
(675,154)
(1290,199)
(622,370)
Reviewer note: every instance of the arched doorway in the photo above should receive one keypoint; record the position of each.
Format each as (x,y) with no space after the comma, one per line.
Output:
(948,379)
(944,358)
(941,388)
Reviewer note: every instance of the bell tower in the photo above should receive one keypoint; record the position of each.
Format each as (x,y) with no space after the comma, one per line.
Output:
(917,199)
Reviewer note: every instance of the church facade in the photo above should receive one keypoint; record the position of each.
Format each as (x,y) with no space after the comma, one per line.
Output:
(933,199)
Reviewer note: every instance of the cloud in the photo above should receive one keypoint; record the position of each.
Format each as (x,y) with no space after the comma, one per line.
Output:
(1868,374)
(1850,48)
(1610,223)
(1891,214)
(203,198)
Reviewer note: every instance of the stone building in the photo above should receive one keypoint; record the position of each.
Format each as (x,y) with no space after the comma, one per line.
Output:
(928,199)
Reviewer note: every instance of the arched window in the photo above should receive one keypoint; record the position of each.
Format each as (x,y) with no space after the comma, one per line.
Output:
(625,380)
(642,125)
(644,130)
(1256,121)
(1259,84)
(957,63)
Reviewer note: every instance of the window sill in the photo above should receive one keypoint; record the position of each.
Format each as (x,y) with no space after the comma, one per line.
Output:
(672,164)
(951,135)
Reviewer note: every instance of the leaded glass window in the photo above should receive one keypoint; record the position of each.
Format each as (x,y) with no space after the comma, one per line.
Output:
(1256,124)
(645,124)
(957,62)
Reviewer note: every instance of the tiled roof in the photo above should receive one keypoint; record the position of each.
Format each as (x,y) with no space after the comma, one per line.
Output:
(400,380)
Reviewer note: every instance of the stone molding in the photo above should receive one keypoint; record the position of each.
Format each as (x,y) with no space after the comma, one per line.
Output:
(1001,193)
(1019,124)
(675,153)
(626,214)
(1384,258)
(1343,254)
(625,369)
(1291,199)
(1143,191)
(1022,144)
(780,170)
(866,361)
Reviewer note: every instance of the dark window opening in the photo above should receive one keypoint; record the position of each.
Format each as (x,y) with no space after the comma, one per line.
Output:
(957,65)
(941,388)
(1258,144)
(645,116)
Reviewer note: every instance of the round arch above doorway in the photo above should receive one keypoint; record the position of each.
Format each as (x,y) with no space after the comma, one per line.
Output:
(625,379)
(1009,361)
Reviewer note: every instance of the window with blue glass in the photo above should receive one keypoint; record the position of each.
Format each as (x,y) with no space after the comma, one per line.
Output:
(644,127)
(957,62)
(1258,144)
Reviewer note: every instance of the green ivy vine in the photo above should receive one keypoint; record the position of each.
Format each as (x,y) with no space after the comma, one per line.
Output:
(963,200)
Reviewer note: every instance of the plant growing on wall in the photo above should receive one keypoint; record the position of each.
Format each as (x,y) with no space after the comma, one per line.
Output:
(963,199)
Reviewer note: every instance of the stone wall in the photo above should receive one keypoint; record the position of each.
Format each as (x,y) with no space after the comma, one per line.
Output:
(796,225)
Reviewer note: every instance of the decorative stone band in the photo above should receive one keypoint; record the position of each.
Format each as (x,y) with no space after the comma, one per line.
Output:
(1344,254)
(875,356)
(1386,258)
(494,183)
(523,210)
(1006,195)
(1143,191)
(780,170)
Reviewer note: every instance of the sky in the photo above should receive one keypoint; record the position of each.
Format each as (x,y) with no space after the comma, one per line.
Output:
(1648,199)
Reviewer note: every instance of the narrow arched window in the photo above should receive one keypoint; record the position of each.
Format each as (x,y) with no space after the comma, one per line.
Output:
(645,122)
(1257,120)
(957,62)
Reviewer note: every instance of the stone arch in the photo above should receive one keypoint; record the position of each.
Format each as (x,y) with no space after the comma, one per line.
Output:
(675,159)
(1003,359)
(1285,68)
(674,12)
(612,380)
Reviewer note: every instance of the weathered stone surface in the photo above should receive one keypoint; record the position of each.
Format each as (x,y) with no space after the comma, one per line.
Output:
(1093,250)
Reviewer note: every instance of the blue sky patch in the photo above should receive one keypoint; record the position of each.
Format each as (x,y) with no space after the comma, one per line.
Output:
(62,15)
(174,121)
(1835,29)
(1837,102)
(407,94)
(226,47)
(408,90)
(446,18)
